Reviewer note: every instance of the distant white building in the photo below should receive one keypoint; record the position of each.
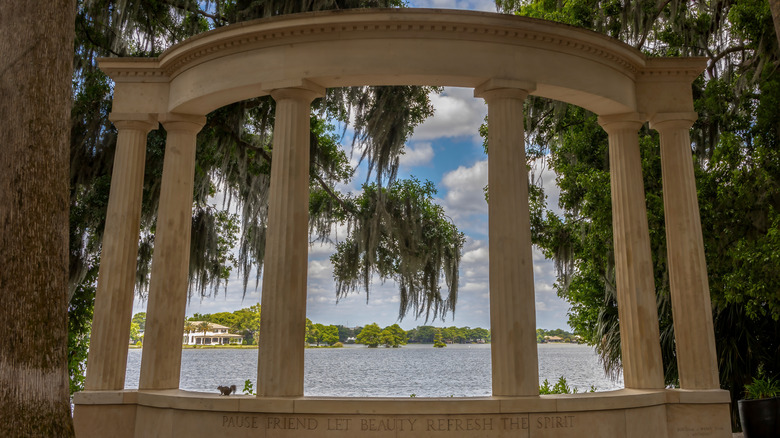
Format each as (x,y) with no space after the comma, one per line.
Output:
(215,335)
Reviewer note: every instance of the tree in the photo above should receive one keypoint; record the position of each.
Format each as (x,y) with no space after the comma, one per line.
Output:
(399,233)
(329,334)
(481,334)
(386,338)
(228,319)
(311,334)
(774,5)
(437,340)
(393,336)
(345,333)
(140,319)
(370,336)
(135,331)
(317,333)
(248,324)
(35,77)
(423,334)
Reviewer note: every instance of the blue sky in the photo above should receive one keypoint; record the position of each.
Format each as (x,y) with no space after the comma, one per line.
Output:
(446,150)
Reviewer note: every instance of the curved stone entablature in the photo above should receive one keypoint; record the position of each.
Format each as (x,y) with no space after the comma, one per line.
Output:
(399,47)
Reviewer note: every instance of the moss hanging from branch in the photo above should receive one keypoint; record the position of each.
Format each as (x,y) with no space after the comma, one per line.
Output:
(399,233)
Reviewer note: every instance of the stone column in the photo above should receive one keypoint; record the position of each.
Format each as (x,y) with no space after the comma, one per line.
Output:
(116,279)
(691,306)
(161,359)
(280,357)
(512,302)
(639,334)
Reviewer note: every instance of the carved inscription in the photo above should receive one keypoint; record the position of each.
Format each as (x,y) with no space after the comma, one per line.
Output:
(368,424)
(555,421)
(458,424)
(241,421)
(379,425)
(292,423)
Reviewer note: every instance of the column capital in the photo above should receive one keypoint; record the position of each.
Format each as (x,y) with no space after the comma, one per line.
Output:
(303,89)
(182,122)
(628,121)
(506,88)
(135,121)
(682,120)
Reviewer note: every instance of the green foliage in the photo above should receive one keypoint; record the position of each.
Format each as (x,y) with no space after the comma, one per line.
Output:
(393,336)
(249,388)
(462,335)
(139,319)
(370,336)
(560,387)
(134,332)
(399,233)
(762,387)
(565,336)
(345,333)
(437,340)
(317,333)
(79,327)
(330,334)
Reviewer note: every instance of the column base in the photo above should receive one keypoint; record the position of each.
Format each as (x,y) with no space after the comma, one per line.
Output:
(625,413)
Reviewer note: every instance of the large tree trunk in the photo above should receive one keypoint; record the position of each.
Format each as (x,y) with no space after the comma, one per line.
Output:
(774,6)
(36,53)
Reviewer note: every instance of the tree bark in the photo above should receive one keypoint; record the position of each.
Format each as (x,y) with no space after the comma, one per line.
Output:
(774,6)
(36,43)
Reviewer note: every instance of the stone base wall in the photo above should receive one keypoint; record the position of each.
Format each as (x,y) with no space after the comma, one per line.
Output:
(625,413)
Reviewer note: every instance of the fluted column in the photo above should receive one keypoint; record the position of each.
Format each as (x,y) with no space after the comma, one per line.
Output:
(515,367)
(116,279)
(161,359)
(688,283)
(639,333)
(280,356)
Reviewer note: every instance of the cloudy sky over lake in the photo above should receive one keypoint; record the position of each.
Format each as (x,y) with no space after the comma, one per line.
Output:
(446,150)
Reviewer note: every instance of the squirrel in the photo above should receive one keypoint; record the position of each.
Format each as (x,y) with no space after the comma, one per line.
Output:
(227,390)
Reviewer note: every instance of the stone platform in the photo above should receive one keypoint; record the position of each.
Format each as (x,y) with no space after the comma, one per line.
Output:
(624,413)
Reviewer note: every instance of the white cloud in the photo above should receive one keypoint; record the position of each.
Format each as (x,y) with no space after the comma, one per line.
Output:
(457,114)
(479,255)
(320,270)
(464,187)
(419,154)
(326,248)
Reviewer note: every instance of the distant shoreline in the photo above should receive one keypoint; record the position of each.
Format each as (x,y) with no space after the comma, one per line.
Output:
(254,347)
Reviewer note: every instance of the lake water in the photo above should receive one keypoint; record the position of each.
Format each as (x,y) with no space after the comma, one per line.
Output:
(357,371)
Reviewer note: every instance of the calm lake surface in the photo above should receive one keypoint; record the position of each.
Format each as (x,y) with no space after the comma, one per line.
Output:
(357,371)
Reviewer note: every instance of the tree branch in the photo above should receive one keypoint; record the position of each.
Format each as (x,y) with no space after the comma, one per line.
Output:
(647,31)
(714,59)
(330,192)
(191,7)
